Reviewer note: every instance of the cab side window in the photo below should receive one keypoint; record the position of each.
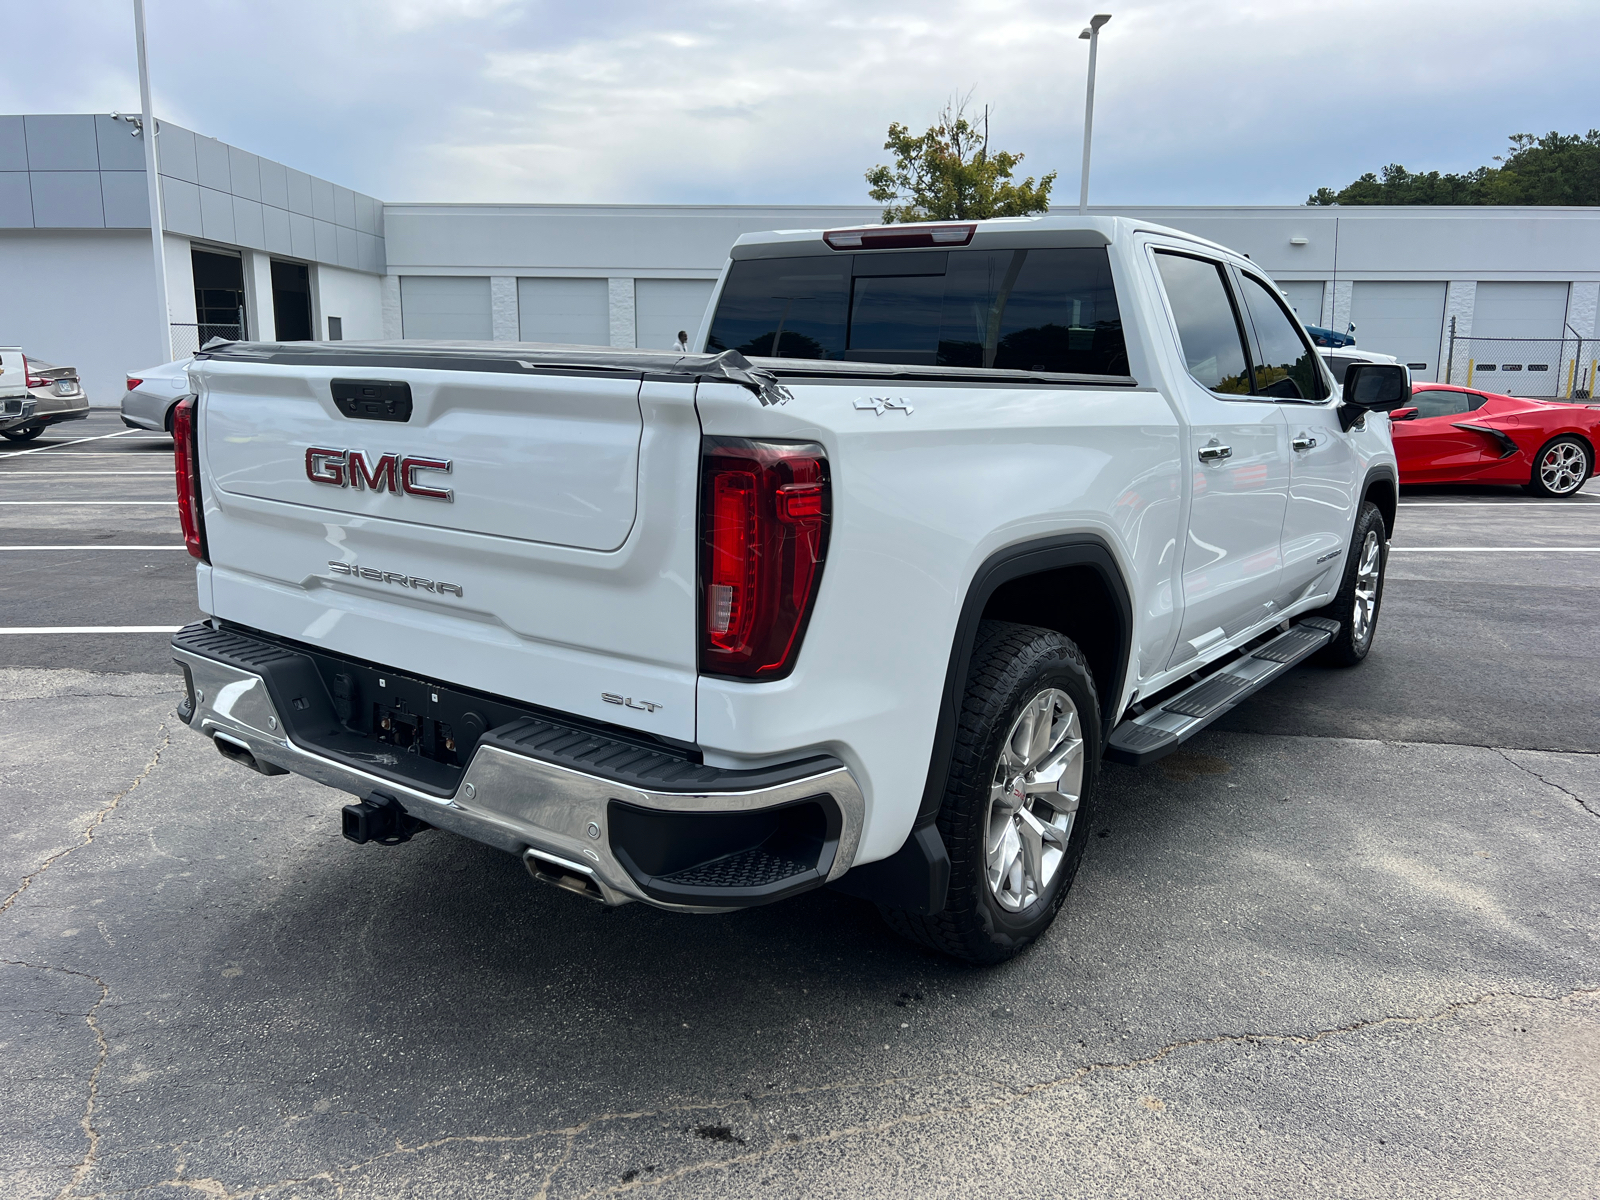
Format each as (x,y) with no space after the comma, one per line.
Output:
(1208,327)
(1285,365)
(1339,364)
(1443,402)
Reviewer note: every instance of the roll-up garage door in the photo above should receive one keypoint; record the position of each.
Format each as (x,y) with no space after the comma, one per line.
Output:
(567,312)
(1516,332)
(445,307)
(1519,310)
(1305,298)
(663,307)
(1405,319)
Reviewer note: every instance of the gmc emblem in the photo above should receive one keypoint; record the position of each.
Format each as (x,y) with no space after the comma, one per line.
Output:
(392,472)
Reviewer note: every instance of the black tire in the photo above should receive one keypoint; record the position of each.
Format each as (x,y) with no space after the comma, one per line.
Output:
(1572,465)
(1013,668)
(26,434)
(1355,637)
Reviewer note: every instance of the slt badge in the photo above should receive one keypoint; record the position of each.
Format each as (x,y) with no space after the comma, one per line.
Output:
(879,403)
(629,702)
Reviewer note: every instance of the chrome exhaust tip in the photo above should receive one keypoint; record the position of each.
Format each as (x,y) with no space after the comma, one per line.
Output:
(564,874)
(236,751)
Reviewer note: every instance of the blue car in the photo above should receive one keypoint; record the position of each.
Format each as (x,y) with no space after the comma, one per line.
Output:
(1327,337)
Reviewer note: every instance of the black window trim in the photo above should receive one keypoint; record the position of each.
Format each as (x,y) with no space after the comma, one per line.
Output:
(1272,291)
(1238,323)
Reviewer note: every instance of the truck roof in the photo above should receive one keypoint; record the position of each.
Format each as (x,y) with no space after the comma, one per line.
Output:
(997,233)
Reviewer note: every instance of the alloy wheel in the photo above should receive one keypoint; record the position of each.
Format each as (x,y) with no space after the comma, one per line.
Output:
(1368,572)
(1563,468)
(1033,799)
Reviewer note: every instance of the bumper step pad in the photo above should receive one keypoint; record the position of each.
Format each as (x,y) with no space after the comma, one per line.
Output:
(1168,725)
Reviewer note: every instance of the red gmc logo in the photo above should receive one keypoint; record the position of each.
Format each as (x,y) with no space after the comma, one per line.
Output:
(391,473)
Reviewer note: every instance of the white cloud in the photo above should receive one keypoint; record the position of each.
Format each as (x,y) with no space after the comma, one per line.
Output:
(787,101)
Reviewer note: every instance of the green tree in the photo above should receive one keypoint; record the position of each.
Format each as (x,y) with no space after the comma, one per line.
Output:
(949,173)
(1555,169)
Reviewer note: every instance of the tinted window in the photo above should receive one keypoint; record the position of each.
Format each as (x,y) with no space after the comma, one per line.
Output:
(1030,310)
(784,308)
(1442,402)
(1338,364)
(1285,366)
(1207,327)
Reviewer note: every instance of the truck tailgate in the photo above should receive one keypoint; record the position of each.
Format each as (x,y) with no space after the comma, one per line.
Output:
(528,533)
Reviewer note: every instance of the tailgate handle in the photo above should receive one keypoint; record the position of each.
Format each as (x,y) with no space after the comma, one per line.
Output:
(373,399)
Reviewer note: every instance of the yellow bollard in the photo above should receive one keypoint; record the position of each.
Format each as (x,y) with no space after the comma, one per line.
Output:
(1572,377)
(1469,372)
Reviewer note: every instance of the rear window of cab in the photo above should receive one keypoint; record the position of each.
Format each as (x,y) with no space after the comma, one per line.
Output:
(1029,310)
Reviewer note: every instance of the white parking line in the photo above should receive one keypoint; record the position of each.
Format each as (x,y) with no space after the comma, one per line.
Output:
(75,442)
(91,629)
(92,503)
(1494,549)
(5,549)
(1587,503)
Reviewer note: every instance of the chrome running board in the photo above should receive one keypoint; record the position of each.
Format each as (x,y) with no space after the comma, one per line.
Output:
(1162,729)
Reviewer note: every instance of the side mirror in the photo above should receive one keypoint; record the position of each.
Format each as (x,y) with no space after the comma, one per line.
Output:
(1373,387)
(1402,414)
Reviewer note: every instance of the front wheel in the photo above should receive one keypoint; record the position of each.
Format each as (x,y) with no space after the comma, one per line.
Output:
(26,434)
(1015,816)
(1561,469)
(1361,591)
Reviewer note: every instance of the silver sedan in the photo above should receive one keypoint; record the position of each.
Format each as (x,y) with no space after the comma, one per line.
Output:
(57,396)
(152,395)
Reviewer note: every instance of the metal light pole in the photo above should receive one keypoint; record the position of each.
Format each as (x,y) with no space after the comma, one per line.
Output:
(1092,36)
(147,127)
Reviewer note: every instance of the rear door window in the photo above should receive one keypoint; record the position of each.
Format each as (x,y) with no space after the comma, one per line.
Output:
(1284,364)
(1030,310)
(1208,327)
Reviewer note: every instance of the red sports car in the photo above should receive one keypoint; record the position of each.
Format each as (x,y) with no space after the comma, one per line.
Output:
(1457,435)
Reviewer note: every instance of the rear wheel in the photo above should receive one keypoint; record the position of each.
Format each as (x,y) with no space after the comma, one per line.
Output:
(1361,592)
(26,434)
(1562,467)
(1015,816)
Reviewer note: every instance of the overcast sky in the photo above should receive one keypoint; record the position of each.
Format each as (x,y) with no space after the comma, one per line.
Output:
(787,101)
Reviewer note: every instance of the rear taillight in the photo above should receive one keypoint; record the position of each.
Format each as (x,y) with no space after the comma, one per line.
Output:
(133,383)
(764,509)
(186,453)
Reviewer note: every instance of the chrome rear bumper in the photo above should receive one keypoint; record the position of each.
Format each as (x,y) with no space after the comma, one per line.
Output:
(516,802)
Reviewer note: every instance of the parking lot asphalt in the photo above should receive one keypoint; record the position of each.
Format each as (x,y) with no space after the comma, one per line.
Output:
(1347,942)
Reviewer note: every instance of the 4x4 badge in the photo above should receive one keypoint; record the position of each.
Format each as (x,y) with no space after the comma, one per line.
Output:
(879,403)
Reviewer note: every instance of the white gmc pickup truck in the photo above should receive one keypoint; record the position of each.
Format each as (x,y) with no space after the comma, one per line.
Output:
(859,595)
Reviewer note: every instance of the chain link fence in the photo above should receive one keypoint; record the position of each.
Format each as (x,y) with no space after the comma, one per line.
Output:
(187,338)
(1547,368)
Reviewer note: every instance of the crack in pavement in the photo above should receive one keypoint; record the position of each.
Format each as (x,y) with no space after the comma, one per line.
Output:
(217,1190)
(1573,796)
(82,1167)
(1372,741)
(95,823)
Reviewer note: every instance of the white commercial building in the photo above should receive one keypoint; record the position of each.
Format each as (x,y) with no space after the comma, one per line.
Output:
(295,257)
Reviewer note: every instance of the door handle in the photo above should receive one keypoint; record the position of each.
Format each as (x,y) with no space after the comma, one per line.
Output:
(1303,441)
(1215,453)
